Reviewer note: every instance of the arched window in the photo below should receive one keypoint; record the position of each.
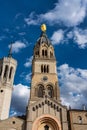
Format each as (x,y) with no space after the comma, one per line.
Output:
(0,70)
(45,52)
(47,68)
(50,91)
(37,53)
(40,90)
(46,127)
(42,69)
(42,52)
(11,71)
(6,71)
(80,119)
(51,54)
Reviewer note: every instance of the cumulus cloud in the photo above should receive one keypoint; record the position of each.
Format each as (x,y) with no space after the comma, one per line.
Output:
(80,37)
(20,98)
(57,37)
(68,12)
(73,84)
(33,19)
(28,62)
(17,46)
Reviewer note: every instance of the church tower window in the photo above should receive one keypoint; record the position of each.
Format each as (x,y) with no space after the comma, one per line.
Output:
(41,68)
(10,74)
(45,52)
(6,71)
(47,68)
(50,91)
(51,54)
(40,91)
(0,70)
(37,53)
(42,52)
(44,68)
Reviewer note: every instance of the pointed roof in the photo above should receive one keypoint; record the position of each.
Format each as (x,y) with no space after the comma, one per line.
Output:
(43,37)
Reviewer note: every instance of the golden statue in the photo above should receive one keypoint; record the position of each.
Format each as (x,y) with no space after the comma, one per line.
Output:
(43,27)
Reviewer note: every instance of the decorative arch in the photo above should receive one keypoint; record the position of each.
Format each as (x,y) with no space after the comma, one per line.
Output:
(46,122)
(44,50)
(40,90)
(50,90)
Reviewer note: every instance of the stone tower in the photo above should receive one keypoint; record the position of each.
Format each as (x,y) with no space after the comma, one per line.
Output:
(7,72)
(44,73)
(44,111)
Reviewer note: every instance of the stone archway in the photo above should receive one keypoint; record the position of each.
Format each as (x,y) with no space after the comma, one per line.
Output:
(46,122)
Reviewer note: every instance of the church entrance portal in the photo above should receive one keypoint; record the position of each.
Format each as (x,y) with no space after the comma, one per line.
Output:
(46,122)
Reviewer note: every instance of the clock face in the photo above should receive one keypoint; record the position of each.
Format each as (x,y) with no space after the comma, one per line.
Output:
(45,78)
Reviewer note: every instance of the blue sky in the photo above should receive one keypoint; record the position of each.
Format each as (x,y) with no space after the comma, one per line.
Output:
(66,22)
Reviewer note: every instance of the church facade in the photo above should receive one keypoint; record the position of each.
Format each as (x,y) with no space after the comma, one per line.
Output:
(44,110)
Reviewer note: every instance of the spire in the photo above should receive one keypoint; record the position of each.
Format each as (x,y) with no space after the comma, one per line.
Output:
(10,51)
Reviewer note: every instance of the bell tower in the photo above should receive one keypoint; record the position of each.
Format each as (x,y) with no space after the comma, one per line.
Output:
(44,74)
(45,111)
(7,72)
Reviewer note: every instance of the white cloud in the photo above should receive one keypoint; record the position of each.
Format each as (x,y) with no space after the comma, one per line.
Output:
(28,62)
(20,98)
(57,36)
(68,12)
(32,19)
(28,77)
(70,35)
(80,37)
(73,84)
(17,46)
